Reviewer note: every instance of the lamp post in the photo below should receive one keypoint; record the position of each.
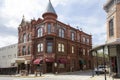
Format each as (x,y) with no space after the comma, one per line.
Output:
(40,69)
(26,67)
(93,54)
(55,64)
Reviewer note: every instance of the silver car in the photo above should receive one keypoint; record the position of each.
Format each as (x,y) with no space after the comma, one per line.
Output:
(101,69)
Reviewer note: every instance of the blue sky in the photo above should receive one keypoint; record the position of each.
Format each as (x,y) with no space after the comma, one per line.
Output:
(86,14)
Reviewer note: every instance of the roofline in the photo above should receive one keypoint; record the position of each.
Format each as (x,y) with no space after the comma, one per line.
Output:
(108,2)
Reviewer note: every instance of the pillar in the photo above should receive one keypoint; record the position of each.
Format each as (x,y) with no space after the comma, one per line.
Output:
(110,64)
(118,59)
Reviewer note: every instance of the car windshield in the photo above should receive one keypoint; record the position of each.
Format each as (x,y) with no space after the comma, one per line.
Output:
(101,67)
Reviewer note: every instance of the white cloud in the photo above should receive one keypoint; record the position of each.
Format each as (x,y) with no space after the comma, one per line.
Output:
(8,40)
(12,11)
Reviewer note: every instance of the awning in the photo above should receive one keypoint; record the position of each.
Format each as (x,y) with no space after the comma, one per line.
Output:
(62,60)
(107,44)
(49,60)
(18,60)
(37,61)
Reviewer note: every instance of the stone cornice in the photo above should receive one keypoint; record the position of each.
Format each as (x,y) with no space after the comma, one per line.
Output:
(108,4)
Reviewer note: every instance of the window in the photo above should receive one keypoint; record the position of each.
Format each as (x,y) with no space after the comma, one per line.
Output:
(49,47)
(40,47)
(29,37)
(87,41)
(61,33)
(73,49)
(61,65)
(49,28)
(24,50)
(111,29)
(40,32)
(20,39)
(83,51)
(73,36)
(83,39)
(61,47)
(28,50)
(88,52)
(24,38)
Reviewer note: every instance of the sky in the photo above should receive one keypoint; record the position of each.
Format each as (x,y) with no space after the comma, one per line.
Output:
(86,14)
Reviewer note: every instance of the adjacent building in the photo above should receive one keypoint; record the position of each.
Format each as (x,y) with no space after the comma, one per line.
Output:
(112,8)
(7,59)
(52,46)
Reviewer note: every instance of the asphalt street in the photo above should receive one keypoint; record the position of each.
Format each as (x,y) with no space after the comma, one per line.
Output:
(79,75)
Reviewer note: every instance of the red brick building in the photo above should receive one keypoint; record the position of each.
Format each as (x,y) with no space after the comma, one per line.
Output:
(58,47)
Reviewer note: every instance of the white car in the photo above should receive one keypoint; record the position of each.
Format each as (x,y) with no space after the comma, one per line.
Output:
(101,69)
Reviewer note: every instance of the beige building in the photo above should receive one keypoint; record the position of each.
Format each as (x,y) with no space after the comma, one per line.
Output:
(112,8)
(8,54)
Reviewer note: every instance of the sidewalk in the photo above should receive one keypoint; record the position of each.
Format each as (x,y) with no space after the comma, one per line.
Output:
(102,77)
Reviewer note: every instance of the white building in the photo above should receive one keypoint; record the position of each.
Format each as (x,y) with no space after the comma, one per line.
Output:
(7,57)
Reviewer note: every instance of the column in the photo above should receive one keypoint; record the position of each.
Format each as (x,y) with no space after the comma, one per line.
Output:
(118,59)
(110,64)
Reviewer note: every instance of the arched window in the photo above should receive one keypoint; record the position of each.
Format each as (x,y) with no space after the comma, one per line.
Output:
(40,32)
(84,40)
(61,33)
(24,37)
(61,47)
(40,47)
(73,36)
(28,50)
(24,50)
(29,37)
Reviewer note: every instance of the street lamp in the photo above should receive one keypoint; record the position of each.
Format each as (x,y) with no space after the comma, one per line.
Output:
(55,64)
(40,69)
(26,67)
(93,54)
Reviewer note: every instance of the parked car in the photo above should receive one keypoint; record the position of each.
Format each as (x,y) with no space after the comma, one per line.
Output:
(101,69)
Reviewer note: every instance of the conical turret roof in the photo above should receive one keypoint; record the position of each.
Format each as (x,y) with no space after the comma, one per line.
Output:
(49,12)
(50,8)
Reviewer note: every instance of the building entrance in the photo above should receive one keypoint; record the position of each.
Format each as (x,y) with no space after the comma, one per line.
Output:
(49,68)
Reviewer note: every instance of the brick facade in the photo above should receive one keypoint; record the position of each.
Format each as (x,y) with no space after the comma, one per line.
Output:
(72,49)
